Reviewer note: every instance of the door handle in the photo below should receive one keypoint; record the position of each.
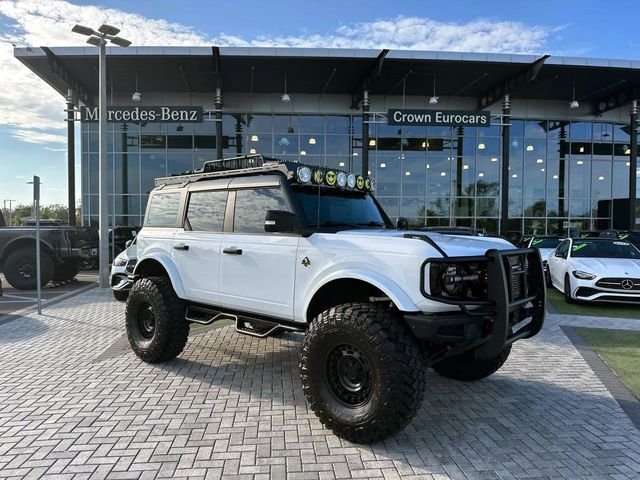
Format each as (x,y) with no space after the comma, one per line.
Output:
(233,251)
(181,246)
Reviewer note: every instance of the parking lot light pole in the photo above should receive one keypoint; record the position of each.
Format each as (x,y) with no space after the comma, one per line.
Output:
(99,39)
(9,211)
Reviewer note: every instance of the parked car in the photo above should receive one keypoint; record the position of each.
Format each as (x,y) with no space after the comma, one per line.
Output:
(595,270)
(122,236)
(62,249)
(546,245)
(121,268)
(283,246)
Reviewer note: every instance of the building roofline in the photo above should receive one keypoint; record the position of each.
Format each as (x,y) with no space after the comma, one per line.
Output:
(27,52)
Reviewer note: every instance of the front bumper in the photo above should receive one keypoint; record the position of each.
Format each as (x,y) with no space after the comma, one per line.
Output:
(606,290)
(120,281)
(514,308)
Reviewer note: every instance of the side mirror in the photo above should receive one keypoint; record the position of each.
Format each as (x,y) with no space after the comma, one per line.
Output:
(128,243)
(280,221)
(402,223)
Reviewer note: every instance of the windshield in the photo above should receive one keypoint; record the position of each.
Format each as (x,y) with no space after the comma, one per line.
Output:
(546,242)
(331,207)
(603,249)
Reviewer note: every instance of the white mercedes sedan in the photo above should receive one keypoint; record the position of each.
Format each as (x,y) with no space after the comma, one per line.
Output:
(595,270)
(546,245)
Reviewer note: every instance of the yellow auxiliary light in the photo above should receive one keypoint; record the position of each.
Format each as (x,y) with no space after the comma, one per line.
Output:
(367,184)
(360,182)
(330,177)
(318,177)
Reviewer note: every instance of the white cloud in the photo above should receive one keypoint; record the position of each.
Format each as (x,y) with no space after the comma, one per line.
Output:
(33,108)
(38,136)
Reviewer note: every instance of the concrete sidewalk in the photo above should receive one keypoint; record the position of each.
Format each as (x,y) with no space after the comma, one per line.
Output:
(76,403)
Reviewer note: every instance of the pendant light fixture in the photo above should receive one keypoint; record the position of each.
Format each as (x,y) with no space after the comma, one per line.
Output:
(285,96)
(574,103)
(137,96)
(433,100)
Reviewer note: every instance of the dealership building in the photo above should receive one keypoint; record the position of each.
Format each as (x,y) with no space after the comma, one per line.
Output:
(502,142)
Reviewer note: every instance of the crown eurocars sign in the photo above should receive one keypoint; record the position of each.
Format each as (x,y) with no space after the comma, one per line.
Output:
(456,118)
(145,114)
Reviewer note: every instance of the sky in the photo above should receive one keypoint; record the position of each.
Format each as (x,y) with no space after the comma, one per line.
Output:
(32,127)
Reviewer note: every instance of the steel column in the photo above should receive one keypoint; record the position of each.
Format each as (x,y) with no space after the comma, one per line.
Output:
(504,184)
(103,222)
(218,108)
(71,157)
(633,164)
(365,133)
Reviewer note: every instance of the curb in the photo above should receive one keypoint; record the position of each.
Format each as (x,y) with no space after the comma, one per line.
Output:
(625,397)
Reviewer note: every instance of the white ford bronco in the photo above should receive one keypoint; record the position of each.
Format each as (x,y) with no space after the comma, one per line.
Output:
(276,246)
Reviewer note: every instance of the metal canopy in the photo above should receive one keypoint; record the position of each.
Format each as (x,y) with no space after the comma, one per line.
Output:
(173,69)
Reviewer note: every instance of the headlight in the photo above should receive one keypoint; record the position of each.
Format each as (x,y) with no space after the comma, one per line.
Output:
(583,275)
(119,262)
(351,180)
(304,174)
(458,281)
(342,179)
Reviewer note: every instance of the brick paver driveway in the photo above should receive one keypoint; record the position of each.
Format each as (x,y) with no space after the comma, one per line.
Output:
(74,403)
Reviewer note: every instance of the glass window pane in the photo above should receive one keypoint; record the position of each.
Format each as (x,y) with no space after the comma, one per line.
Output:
(535,129)
(286,144)
(153,165)
(163,209)
(581,130)
(260,123)
(338,124)
(206,211)
(252,206)
(413,176)
(287,124)
(179,162)
(312,124)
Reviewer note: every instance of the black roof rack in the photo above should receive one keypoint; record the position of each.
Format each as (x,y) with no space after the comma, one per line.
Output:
(242,165)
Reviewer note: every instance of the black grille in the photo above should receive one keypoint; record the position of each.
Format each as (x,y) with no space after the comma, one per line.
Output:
(619,283)
(517,266)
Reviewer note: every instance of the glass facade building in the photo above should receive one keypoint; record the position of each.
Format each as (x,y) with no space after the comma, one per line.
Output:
(561,173)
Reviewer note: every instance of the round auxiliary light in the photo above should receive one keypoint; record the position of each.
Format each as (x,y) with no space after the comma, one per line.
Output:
(318,177)
(330,178)
(367,184)
(372,185)
(351,180)
(304,174)
(342,179)
(360,182)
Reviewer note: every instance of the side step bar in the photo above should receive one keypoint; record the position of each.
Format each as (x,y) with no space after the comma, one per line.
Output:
(245,324)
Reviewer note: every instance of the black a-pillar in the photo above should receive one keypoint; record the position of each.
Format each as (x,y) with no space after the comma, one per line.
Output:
(633,163)
(365,133)
(71,159)
(504,190)
(218,110)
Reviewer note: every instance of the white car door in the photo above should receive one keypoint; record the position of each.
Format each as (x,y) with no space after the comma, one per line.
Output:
(257,269)
(196,246)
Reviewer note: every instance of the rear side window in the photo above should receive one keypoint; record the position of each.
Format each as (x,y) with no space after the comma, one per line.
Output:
(206,211)
(252,206)
(163,209)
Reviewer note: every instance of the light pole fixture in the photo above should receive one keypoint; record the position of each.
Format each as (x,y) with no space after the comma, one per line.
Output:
(105,33)
(574,103)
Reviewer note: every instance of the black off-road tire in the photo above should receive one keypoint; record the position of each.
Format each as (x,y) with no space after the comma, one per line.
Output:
(121,295)
(66,271)
(467,368)
(567,290)
(20,269)
(156,326)
(387,360)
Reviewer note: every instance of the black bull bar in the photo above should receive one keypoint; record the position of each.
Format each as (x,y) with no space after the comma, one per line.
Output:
(515,292)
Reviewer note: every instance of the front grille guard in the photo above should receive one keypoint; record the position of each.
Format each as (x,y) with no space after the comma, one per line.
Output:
(503,305)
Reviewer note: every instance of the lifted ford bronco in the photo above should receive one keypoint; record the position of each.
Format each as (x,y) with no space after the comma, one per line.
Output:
(282,246)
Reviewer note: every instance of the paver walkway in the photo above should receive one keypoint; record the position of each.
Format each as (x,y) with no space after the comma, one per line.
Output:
(75,403)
